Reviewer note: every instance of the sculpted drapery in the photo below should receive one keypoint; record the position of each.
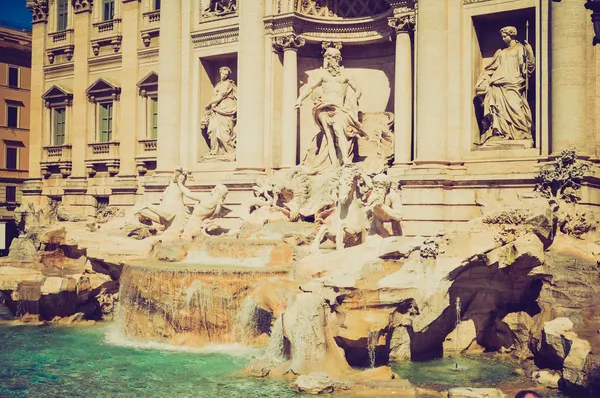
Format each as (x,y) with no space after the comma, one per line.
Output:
(502,89)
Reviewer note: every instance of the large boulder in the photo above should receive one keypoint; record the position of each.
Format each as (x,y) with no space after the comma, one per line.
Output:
(576,365)
(469,392)
(460,338)
(319,383)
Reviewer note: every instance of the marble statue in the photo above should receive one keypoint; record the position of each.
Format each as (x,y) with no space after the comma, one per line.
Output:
(219,7)
(347,224)
(502,88)
(335,112)
(385,206)
(220,118)
(208,207)
(171,212)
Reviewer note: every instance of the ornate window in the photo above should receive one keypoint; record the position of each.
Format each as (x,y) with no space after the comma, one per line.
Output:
(341,8)
(103,95)
(57,100)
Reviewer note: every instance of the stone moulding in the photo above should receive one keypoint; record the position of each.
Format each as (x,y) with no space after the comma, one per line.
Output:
(225,35)
(318,29)
(82,6)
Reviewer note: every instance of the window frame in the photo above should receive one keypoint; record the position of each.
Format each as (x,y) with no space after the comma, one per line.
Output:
(18,69)
(152,132)
(17,157)
(155,5)
(110,121)
(18,124)
(65,14)
(109,5)
(63,123)
(14,194)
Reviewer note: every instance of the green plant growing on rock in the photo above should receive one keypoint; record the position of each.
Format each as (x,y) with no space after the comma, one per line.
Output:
(562,179)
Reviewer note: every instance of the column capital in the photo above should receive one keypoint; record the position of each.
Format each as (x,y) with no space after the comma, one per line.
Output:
(38,9)
(288,42)
(402,24)
(82,6)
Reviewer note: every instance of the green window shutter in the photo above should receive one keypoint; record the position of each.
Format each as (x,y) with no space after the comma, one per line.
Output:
(59,126)
(154,126)
(63,12)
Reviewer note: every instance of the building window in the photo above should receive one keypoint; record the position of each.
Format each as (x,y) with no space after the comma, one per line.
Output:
(12,116)
(13,76)
(58,126)
(109,10)
(11,194)
(156,4)
(63,12)
(153,118)
(106,116)
(12,157)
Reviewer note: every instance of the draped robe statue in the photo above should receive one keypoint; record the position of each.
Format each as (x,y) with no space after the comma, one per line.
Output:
(502,90)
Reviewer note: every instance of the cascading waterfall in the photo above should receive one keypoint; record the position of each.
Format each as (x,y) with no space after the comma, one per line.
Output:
(372,346)
(189,306)
(275,350)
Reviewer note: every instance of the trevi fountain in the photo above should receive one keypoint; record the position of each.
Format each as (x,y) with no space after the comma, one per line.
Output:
(378,251)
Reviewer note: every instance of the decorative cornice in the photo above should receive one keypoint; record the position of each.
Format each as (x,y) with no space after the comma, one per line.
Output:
(317,30)
(229,34)
(38,9)
(403,24)
(402,6)
(82,6)
(288,42)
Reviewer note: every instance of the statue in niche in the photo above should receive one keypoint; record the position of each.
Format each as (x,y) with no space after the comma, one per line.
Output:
(220,118)
(208,208)
(219,7)
(502,89)
(335,112)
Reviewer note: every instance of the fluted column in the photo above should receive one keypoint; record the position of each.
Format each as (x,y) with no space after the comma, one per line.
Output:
(289,141)
(169,87)
(432,82)
(403,105)
(569,22)
(251,86)
(39,11)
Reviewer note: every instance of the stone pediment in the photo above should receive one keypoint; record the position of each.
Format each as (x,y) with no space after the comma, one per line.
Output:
(103,89)
(149,84)
(57,95)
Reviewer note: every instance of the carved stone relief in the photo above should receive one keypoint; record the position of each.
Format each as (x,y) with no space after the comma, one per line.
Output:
(38,9)
(217,8)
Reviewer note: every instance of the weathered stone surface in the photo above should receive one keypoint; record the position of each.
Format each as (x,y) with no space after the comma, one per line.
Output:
(400,344)
(460,338)
(520,324)
(319,383)
(553,347)
(576,364)
(468,392)
(546,378)
(22,248)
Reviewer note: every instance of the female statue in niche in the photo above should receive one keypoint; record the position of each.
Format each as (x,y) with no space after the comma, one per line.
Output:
(502,87)
(220,118)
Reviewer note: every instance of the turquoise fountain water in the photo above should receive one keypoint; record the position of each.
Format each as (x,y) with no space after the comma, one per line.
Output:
(95,362)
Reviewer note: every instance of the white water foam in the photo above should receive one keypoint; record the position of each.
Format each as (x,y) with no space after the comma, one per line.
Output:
(115,337)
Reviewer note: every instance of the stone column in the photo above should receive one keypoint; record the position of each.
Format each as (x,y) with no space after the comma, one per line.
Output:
(569,21)
(81,82)
(251,86)
(169,86)
(403,105)
(432,82)
(39,12)
(128,99)
(289,141)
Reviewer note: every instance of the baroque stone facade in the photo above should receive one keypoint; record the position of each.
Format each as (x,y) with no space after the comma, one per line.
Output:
(417,69)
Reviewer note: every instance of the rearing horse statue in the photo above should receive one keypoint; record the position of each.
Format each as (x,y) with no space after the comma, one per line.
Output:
(349,218)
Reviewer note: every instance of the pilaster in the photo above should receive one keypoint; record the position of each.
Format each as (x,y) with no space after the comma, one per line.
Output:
(289,45)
